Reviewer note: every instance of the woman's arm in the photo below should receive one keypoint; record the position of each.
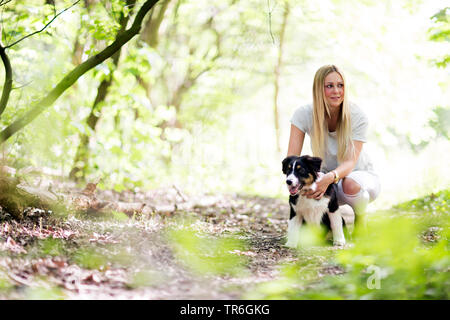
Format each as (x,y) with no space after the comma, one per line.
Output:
(343,169)
(296,139)
(348,165)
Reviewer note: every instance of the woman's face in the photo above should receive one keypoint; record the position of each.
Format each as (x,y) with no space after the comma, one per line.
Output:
(334,89)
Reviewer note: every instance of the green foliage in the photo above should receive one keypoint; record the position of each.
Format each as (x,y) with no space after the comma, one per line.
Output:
(23,18)
(441,32)
(205,254)
(387,260)
(441,122)
(404,268)
(435,203)
(119,216)
(52,247)
(312,236)
(145,279)
(90,258)
(44,292)
(199,103)
(442,19)
(5,283)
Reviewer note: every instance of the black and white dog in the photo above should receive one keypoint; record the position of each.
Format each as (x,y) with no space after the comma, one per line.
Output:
(301,174)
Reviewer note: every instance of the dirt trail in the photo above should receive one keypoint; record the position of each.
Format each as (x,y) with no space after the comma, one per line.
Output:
(98,257)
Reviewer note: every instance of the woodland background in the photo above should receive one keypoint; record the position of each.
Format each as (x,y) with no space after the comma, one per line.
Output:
(200,99)
(203,96)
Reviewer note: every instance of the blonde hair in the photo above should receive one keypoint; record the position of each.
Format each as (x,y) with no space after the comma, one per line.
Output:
(321,110)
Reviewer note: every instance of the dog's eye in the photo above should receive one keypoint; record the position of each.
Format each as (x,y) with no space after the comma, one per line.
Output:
(298,167)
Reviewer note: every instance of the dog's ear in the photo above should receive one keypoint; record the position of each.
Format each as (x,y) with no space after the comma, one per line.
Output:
(313,162)
(285,163)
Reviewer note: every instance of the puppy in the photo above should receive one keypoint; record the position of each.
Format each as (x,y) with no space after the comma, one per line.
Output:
(302,174)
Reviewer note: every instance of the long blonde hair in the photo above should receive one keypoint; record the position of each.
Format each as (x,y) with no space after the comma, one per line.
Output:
(321,110)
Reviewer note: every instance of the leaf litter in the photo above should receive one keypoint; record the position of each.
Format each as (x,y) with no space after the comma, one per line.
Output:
(100,254)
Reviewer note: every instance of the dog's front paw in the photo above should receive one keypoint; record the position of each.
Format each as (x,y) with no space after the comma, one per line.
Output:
(291,244)
(339,243)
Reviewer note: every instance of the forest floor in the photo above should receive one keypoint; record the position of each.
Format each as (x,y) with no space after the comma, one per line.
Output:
(172,254)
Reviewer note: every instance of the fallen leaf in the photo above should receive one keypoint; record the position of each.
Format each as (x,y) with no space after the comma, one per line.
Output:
(93,278)
(89,190)
(10,242)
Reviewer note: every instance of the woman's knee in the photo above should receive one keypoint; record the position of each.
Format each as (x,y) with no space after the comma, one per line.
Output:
(350,186)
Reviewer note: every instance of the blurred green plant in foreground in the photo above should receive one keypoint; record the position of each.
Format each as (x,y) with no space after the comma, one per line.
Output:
(390,259)
(205,254)
(433,204)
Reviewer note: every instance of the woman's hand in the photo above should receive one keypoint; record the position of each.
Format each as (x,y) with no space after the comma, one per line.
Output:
(322,183)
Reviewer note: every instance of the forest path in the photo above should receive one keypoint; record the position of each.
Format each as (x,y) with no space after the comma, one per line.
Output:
(115,256)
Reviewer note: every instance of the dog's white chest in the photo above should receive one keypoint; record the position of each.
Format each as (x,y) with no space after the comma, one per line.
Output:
(311,210)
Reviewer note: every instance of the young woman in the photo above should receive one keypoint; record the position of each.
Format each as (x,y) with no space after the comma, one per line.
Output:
(337,130)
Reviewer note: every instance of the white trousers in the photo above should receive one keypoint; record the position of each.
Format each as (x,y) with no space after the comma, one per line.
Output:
(370,188)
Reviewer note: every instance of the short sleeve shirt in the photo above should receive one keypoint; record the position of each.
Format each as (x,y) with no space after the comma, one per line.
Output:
(303,119)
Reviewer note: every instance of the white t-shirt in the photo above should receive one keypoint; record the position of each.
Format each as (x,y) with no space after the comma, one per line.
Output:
(303,119)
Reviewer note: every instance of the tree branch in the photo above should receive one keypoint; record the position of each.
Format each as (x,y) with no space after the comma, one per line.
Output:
(7,87)
(36,32)
(190,79)
(4,2)
(77,72)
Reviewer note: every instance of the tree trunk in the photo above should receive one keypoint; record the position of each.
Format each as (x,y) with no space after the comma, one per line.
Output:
(14,199)
(277,77)
(80,165)
(150,32)
(78,48)
(150,35)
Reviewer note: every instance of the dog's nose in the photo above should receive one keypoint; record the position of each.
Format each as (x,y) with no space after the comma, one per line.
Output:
(289,182)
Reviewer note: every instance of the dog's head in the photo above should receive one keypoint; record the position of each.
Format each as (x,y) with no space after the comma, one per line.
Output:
(300,172)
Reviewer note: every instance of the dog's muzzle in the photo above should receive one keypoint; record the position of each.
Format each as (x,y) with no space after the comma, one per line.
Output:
(293,188)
